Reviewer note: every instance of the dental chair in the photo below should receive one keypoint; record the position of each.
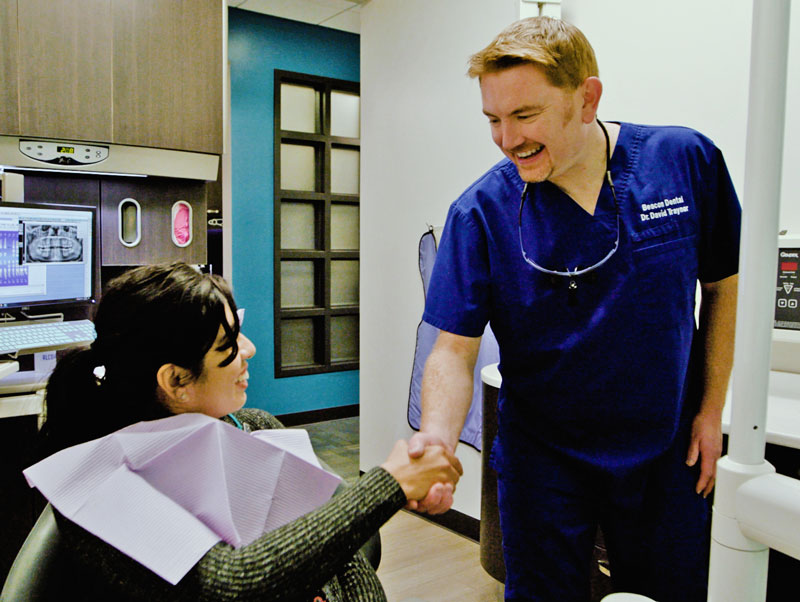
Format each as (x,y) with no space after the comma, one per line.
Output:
(42,571)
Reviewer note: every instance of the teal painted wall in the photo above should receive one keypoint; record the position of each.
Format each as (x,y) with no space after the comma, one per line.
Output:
(257,45)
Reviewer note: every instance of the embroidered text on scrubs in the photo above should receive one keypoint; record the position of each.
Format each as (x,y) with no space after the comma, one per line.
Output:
(667,207)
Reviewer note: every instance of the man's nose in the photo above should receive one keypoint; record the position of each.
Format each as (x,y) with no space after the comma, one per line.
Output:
(510,135)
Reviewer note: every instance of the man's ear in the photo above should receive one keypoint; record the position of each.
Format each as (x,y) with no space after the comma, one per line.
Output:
(592,91)
(172,380)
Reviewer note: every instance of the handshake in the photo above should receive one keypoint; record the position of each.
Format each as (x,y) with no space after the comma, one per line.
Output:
(427,470)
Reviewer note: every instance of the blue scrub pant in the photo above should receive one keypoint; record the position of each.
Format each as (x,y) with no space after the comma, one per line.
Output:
(656,528)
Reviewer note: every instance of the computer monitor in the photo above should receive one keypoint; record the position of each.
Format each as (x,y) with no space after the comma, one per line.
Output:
(46,254)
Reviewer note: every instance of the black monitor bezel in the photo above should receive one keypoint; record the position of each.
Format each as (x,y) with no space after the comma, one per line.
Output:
(61,303)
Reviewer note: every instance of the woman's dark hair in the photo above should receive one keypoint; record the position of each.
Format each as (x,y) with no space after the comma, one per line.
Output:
(147,317)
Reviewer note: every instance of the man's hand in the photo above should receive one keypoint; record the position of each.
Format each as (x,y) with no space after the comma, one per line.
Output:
(440,496)
(705,445)
(447,386)
(418,475)
(717,327)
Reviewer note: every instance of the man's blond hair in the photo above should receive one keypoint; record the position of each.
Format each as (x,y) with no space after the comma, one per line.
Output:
(558,48)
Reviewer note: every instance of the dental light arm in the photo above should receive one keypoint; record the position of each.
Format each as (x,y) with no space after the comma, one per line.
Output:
(754,508)
(768,510)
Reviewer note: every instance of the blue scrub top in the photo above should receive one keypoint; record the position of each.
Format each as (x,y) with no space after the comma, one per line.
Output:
(602,379)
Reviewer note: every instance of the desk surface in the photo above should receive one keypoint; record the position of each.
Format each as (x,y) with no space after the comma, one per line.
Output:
(18,405)
(783,405)
(8,367)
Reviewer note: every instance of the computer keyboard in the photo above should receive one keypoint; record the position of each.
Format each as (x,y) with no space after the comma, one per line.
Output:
(32,337)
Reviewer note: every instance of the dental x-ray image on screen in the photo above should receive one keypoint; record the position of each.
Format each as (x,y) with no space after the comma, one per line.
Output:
(53,242)
(47,254)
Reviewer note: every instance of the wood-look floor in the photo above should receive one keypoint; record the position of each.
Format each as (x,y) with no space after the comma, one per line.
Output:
(420,561)
(423,561)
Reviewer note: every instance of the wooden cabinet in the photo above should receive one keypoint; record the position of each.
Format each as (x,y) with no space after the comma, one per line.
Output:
(168,74)
(156,196)
(65,69)
(9,99)
(135,72)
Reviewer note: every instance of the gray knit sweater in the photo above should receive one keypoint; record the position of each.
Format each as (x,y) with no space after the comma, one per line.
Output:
(313,559)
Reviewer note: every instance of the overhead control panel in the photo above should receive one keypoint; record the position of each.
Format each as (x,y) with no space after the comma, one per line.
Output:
(63,153)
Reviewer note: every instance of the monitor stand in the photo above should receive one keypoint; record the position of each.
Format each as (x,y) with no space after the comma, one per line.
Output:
(54,317)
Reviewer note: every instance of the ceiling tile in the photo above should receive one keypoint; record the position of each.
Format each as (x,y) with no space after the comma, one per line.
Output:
(337,14)
(347,21)
(309,11)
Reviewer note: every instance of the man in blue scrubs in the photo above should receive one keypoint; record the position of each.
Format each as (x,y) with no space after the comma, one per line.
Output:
(583,248)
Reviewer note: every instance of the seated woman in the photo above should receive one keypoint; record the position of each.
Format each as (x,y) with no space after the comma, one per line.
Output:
(168,339)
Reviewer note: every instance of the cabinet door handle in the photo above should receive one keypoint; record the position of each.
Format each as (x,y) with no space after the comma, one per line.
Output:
(129,221)
(181,224)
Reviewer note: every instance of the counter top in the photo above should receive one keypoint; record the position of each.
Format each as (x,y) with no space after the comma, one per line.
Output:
(783,405)
(491,375)
(22,405)
(18,405)
(8,367)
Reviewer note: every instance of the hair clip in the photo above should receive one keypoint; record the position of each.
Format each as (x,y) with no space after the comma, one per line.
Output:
(99,374)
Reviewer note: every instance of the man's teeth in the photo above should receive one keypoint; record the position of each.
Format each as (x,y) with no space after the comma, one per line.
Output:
(529,153)
(243,378)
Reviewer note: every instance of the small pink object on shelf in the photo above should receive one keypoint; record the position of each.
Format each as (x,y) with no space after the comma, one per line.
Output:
(181,223)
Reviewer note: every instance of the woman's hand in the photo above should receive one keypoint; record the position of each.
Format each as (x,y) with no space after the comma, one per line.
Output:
(417,475)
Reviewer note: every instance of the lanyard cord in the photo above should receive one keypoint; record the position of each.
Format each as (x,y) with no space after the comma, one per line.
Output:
(236,422)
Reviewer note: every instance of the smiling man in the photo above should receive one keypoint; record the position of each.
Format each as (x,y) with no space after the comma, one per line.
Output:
(583,248)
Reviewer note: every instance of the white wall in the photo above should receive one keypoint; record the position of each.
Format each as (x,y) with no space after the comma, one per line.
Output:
(424,140)
(790,191)
(687,62)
